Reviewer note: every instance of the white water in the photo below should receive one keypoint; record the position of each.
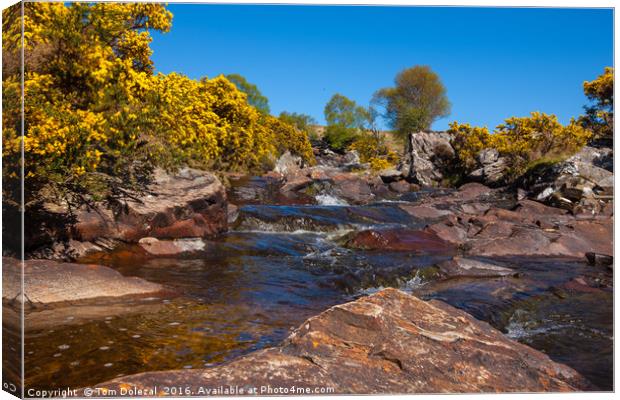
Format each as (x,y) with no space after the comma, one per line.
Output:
(329,200)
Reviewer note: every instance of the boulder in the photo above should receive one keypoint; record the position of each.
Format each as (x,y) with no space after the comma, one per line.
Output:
(583,183)
(352,187)
(491,168)
(47,282)
(189,203)
(386,343)
(390,175)
(288,164)
(427,155)
(351,157)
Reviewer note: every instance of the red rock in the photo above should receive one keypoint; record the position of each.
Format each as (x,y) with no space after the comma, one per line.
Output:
(48,282)
(420,242)
(190,203)
(448,231)
(472,191)
(399,186)
(531,208)
(387,343)
(424,211)
(171,247)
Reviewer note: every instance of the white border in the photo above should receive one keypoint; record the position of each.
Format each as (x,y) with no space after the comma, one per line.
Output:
(470,3)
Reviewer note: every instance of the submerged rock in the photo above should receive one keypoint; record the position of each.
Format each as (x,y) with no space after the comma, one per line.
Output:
(389,342)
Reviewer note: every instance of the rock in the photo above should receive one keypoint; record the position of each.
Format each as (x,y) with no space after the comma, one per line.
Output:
(599,259)
(426,157)
(232,212)
(467,267)
(491,168)
(352,188)
(387,343)
(581,184)
(487,156)
(288,164)
(425,211)
(175,247)
(296,182)
(351,157)
(533,208)
(400,186)
(390,175)
(47,282)
(473,191)
(190,203)
(605,186)
(449,231)
(418,242)
(574,239)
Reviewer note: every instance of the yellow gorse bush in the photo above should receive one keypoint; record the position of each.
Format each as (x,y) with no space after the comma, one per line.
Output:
(94,110)
(373,150)
(525,141)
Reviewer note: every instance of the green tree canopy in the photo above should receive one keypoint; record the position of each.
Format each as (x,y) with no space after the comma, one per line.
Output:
(345,121)
(303,122)
(255,97)
(417,99)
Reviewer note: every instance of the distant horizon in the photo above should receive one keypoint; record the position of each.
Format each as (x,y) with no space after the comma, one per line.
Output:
(496,62)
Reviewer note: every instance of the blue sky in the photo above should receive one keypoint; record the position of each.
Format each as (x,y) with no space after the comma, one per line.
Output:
(494,62)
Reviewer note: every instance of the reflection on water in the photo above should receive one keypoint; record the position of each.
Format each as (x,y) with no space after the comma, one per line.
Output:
(248,289)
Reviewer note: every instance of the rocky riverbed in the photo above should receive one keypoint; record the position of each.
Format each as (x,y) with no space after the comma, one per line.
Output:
(282,280)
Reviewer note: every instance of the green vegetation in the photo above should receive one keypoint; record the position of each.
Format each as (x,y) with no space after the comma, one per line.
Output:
(345,121)
(255,97)
(525,142)
(599,116)
(417,99)
(303,122)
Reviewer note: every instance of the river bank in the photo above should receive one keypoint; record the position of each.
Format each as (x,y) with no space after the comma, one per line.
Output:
(300,240)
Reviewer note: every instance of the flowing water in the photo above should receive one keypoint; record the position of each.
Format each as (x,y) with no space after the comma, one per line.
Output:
(282,263)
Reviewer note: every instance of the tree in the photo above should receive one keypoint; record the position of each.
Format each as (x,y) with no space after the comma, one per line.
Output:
(345,121)
(255,97)
(98,121)
(599,116)
(416,101)
(87,65)
(303,122)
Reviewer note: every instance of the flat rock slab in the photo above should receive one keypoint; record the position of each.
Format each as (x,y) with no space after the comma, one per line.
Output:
(419,242)
(48,282)
(469,267)
(389,342)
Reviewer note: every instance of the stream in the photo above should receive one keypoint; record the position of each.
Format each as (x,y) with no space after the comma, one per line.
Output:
(283,262)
